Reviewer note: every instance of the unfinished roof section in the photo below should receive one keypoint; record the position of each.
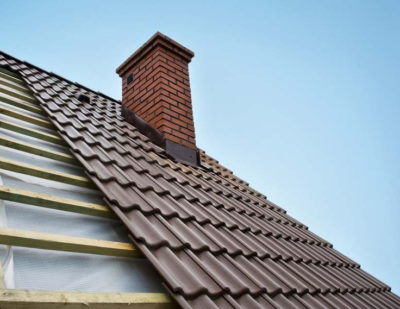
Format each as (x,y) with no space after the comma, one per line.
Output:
(54,223)
(216,243)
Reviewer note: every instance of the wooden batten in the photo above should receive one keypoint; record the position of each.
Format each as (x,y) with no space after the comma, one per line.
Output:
(54,202)
(32,170)
(31,119)
(22,238)
(31,132)
(23,299)
(13,83)
(39,151)
(22,105)
(11,76)
(17,94)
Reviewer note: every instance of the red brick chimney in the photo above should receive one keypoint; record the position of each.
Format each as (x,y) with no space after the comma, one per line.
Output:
(155,87)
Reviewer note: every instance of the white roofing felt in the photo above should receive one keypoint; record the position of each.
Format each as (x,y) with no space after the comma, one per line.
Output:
(37,269)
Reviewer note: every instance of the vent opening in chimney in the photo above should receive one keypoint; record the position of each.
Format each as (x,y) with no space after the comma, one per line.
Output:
(156,88)
(129,79)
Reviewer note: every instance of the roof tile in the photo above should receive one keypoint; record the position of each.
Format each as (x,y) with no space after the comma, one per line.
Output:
(216,241)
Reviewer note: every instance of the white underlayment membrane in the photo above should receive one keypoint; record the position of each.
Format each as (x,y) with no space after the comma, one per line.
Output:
(6,252)
(27,268)
(36,269)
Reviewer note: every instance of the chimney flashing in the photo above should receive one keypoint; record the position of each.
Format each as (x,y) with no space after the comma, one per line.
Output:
(182,153)
(174,150)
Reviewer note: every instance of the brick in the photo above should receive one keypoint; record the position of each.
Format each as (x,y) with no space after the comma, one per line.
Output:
(171,113)
(172,126)
(155,71)
(147,84)
(178,110)
(168,77)
(146,62)
(169,69)
(148,109)
(180,134)
(173,138)
(187,143)
(177,87)
(183,78)
(187,108)
(187,118)
(163,84)
(179,122)
(172,102)
(184,96)
(167,54)
(176,66)
(178,99)
(160,93)
(186,131)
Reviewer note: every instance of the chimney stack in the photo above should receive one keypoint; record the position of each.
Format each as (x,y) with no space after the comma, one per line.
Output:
(156,87)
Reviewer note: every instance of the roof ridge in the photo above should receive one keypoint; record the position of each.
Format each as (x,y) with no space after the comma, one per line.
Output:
(61,77)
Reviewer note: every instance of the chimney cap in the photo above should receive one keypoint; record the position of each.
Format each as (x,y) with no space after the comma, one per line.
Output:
(158,39)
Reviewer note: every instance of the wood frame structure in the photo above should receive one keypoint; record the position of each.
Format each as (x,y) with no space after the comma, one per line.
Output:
(15,98)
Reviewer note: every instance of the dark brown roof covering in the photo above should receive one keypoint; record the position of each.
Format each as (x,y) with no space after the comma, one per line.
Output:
(215,241)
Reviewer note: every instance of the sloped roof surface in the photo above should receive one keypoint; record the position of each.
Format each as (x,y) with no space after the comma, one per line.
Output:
(215,241)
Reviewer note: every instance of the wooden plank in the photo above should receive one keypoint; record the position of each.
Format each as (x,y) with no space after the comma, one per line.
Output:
(2,279)
(12,84)
(16,94)
(39,151)
(31,132)
(31,299)
(28,107)
(38,240)
(31,119)
(54,202)
(32,170)
(11,76)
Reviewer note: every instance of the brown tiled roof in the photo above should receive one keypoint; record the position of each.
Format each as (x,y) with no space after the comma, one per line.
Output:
(226,173)
(215,241)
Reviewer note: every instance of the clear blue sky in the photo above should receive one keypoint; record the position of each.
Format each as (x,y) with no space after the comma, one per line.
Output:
(300,98)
